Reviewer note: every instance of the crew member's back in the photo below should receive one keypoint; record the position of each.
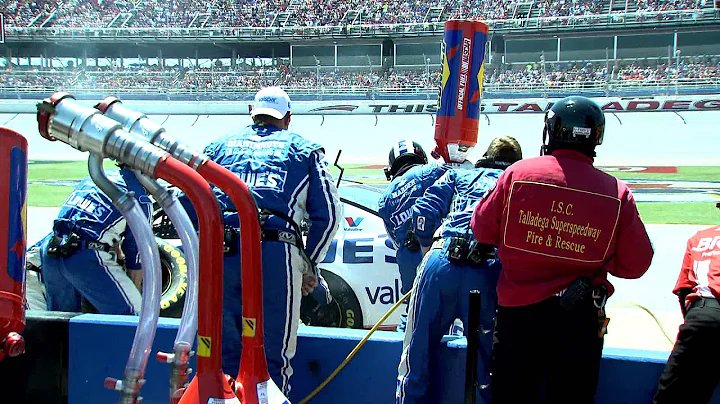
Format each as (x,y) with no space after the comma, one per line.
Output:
(562,219)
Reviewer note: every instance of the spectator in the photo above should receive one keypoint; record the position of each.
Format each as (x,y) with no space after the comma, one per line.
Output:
(220,79)
(304,13)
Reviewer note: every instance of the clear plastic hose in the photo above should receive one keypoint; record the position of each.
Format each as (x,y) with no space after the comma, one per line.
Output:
(188,323)
(151,290)
(191,245)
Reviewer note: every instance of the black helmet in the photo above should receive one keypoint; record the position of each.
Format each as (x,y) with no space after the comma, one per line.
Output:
(404,155)
(575,123)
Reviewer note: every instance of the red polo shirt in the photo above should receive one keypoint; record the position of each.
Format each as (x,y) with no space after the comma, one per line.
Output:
(700,269)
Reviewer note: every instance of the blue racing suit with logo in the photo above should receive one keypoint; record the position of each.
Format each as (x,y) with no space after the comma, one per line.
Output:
(395,209)
(442,286)
(92,271)
(289,177)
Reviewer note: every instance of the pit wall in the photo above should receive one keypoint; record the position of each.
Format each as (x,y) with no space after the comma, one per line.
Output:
(99,346)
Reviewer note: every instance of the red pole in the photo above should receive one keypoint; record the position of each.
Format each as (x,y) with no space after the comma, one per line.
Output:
(85,129)
(210,381)
(253,366)
(13,206)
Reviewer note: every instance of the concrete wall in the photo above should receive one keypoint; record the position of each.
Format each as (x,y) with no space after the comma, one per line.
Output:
(99,346)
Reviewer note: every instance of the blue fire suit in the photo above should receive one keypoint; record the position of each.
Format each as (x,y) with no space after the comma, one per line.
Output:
(395,209)
(93,271)
(442,287)
(287,174)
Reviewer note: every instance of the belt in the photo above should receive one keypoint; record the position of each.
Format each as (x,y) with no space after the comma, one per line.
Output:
(291,238)
(438,244)
(282,236)
(706,302)
(97,246)
(89,244)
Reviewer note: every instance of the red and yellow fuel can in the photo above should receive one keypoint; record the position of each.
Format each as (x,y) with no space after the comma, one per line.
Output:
(463,67)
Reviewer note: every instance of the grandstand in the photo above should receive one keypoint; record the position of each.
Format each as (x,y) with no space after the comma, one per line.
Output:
(328,49)
(317,13)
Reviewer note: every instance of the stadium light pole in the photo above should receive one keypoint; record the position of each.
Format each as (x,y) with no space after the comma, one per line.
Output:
(544,74)
(427,68)
(677,69)
(317,71)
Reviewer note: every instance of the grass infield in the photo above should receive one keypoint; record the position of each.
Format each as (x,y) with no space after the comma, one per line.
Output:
(45,194)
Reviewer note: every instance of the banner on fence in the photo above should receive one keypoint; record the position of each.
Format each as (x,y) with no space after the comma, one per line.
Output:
(530,105)
(395,107)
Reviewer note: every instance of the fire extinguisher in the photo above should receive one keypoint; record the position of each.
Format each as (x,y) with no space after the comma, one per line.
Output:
(13,208)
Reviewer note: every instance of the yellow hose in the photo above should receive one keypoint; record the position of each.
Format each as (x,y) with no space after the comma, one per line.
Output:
(646,310)
(405,297)
(356,349)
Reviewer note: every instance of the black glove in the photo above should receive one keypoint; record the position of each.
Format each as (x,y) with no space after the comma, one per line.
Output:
(682,295)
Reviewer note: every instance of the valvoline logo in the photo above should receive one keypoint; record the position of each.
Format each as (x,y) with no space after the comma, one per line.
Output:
(354,221)
(17,215)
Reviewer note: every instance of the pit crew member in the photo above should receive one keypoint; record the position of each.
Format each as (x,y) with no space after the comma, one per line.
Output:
(687,377)
(560,225)
(290,181)
(410,175)
(452,268)
(81,258)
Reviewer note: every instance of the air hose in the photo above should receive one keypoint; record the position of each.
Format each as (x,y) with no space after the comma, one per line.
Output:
(356,349)
(405,297)
(650,313)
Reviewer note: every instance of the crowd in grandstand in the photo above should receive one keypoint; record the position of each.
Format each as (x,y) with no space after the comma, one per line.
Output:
(220,78)
(263,13)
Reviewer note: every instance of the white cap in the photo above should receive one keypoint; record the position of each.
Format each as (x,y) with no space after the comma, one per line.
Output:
(272,101)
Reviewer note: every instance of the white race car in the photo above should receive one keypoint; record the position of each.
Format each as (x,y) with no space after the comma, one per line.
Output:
(359,266)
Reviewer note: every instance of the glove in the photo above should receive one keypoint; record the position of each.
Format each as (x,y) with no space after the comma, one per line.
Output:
(682,295)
